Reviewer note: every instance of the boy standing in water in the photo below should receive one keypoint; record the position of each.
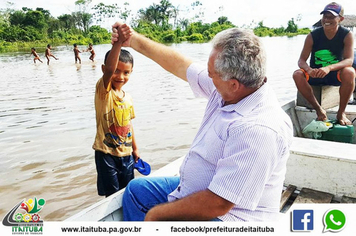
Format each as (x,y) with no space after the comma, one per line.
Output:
(49,54)
(92,52)
(76,54)
(115,146)
(34,53)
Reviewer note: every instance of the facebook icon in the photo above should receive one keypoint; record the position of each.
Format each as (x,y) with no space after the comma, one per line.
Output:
(302,220)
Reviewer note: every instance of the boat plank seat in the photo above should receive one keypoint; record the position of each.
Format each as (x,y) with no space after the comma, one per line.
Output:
(286,195)
(308,195)
(327,96)
(346,199)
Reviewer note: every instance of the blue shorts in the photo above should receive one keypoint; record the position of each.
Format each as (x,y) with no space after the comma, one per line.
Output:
(114,173)
(144,193)
(332,79)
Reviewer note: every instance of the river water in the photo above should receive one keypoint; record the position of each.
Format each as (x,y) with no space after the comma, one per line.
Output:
(47,119)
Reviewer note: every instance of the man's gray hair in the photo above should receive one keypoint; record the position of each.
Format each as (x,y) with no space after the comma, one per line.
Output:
(241,57)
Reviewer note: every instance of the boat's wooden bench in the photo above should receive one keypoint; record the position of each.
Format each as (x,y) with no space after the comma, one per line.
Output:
(327,96)
(306,195)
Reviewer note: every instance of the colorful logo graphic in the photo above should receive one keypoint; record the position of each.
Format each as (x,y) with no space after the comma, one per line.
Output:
(24,217)
(334,220)
(302,220)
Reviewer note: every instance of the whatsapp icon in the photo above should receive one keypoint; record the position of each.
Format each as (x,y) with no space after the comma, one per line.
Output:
(334,220)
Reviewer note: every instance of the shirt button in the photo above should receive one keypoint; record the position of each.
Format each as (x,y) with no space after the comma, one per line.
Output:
(178,188)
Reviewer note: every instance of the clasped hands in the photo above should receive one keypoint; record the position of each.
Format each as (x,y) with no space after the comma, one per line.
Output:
(121,33)
(319,72)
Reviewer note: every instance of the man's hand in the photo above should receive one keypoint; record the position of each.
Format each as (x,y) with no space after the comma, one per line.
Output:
(319,73)
(322,72)
(121,33)
(151,215)
(203,205)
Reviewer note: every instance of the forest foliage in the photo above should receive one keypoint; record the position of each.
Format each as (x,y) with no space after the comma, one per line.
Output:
(163,22)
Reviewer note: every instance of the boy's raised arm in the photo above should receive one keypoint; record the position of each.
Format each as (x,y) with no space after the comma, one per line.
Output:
(124,33)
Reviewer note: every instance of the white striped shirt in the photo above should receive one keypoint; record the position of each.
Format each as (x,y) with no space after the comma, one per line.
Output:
(239,153)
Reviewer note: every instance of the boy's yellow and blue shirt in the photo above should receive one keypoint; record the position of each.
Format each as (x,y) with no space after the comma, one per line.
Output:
(113,121)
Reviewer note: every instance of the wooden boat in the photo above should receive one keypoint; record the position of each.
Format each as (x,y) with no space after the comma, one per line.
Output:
(323,171)
(317,170)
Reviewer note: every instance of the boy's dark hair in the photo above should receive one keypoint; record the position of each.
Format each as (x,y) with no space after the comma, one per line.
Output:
(34,49)
(48,45)
(125,57)
(75,45)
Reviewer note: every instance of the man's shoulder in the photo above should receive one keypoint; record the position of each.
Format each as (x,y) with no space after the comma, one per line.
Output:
(343,30)
(195,69)
(317,31)
(266,113)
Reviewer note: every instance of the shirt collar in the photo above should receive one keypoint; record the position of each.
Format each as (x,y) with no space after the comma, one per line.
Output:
(247,104)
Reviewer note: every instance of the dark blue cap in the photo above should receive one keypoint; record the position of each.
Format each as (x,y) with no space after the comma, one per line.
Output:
(334,8)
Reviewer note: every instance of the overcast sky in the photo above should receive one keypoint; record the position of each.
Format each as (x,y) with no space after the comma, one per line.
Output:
(273,13)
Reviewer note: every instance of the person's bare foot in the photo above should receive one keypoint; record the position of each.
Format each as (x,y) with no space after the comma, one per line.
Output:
(343,120)
(321,114)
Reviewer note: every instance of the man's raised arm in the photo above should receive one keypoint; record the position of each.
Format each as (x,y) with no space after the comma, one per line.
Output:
(166,57)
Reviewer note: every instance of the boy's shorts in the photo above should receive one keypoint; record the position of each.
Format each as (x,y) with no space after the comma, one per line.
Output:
(114,173)
(332,79)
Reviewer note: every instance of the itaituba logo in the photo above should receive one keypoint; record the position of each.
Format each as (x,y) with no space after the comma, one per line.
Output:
(24,218)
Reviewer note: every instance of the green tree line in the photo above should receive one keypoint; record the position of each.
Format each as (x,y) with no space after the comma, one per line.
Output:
(163,22)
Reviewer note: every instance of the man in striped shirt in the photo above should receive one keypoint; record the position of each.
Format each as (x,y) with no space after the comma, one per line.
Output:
(235,168)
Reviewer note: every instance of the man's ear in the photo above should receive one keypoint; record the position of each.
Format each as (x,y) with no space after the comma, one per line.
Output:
(103,68)
(342,18)
(235,84)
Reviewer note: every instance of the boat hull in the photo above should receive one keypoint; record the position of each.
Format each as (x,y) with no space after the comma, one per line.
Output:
(321,165)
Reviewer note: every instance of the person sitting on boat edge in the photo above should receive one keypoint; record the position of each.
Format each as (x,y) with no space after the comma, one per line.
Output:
(331,50)
(236,165)
(115,145)
(353,101)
